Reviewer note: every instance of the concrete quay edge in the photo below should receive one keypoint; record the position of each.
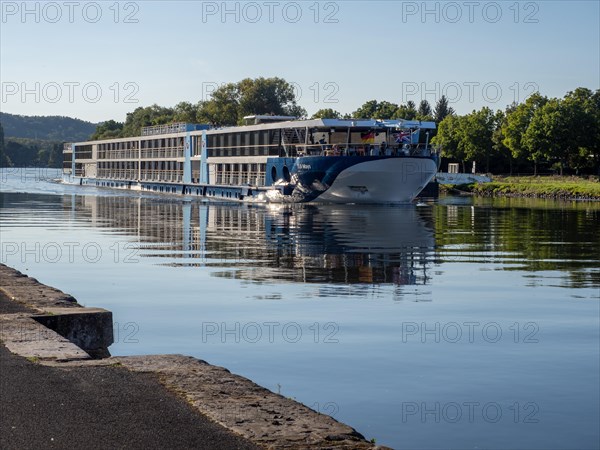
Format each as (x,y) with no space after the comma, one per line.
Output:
(77,336)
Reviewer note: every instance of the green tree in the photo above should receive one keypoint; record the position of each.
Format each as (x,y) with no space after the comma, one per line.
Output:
(442,109)
(386,110)
(518,118)
(222,108)
(407,112)
(565,131)
(22,154)
(476,135)
(376,110)
(231,102)
(146,116)
(581,115)
(544,137)
(503,153)
(55,155)
(367,111)
(4,161)
(469,137)
(184,112)
(108,130)
(449,138)
(424,111)
(326,113)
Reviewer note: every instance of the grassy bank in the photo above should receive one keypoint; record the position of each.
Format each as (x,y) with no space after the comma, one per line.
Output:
(543,187)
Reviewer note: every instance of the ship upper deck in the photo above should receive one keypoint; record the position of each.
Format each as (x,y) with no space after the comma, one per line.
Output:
(183,129)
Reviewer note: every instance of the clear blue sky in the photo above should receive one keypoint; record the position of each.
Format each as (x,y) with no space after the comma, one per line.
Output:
(94,60)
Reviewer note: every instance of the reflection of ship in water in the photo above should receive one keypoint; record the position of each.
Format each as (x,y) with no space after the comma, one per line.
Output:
(298,243)
(344,244)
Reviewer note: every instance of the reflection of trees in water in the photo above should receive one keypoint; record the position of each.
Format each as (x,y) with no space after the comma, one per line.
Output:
(524,235)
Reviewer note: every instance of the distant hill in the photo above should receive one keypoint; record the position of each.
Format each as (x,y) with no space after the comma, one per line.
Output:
(47,128)
(36,141)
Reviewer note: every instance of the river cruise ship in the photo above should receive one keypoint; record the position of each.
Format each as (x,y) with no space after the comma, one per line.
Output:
(270,158)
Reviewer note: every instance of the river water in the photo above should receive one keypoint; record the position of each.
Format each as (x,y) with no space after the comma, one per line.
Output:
(461,323)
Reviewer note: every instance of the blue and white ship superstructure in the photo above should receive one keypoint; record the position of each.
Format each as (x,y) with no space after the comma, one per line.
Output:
(272,158)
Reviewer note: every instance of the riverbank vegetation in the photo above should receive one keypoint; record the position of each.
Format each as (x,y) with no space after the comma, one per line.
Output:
(541,134)
(585,188)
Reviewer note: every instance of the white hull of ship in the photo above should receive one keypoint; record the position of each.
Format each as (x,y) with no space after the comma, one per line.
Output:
(394,180)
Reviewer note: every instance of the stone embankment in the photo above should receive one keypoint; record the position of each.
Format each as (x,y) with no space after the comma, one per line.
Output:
(49,328)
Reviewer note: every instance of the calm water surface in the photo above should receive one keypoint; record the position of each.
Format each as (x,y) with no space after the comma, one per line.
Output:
(464,323)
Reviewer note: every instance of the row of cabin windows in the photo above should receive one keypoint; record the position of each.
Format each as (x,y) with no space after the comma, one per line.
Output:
(162,143)
(172,165)
(248,138)
(83,152)
(227,144)
(256,138)
(146,165)
(148,143)
(245,151)
(128,145)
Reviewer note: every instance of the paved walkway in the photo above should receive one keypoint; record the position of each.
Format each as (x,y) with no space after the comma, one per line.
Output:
(96,407)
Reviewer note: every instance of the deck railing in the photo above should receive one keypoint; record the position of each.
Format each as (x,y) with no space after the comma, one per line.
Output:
(166,176)
(118,174)
(354,149)
(165,152)
(240,178)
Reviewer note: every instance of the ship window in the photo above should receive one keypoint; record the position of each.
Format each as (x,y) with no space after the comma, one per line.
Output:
(273,173)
